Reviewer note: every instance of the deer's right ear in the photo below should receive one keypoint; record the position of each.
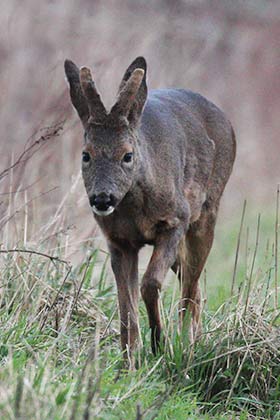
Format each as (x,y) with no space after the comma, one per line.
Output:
(77,97)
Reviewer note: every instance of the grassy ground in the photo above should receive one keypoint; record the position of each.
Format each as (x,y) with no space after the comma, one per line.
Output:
(59,342)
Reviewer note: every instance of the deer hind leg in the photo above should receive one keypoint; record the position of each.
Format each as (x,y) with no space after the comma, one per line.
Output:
(190,262)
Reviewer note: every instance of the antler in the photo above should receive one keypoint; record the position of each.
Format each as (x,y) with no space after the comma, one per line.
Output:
(128,94)
(96,108)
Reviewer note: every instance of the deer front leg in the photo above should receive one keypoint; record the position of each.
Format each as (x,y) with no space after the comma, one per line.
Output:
(163,257)
(125,267)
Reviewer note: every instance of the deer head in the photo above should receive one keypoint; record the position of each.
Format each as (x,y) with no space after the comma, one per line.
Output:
(111,153)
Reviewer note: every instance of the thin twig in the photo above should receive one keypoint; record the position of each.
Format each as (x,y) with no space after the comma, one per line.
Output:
(30,251)
(29,151)
(276,249)
(237,249)
(253,264)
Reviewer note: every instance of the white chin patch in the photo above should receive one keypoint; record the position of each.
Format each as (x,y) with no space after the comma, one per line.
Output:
(103,213)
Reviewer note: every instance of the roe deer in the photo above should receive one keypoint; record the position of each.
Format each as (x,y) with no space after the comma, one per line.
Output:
(154,169)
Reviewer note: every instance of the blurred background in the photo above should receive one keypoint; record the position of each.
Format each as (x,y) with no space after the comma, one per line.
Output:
(226,50)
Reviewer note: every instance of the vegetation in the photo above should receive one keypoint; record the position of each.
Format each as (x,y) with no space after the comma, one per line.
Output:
(59,343)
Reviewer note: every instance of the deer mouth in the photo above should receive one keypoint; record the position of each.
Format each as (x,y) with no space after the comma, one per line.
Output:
(103,212)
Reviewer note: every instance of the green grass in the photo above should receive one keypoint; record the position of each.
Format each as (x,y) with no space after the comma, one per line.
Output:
(59,343)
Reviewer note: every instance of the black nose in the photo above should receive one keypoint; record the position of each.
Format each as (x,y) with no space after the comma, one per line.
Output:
(102,201)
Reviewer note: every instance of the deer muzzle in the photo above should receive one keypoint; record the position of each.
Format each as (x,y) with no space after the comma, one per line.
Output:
(102,204)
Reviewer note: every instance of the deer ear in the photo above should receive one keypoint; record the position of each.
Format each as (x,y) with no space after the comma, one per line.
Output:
(77,97)
(138,63)
(136,70)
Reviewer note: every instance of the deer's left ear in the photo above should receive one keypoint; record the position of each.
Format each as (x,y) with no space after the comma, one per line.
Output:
(132,92)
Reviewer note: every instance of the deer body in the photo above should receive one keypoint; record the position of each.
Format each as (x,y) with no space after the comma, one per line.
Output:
(157,168)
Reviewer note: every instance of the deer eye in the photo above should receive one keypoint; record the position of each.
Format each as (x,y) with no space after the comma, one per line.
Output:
(86,157)
(128,157)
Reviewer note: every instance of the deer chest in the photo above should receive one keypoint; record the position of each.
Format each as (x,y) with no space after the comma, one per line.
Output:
(135,231)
